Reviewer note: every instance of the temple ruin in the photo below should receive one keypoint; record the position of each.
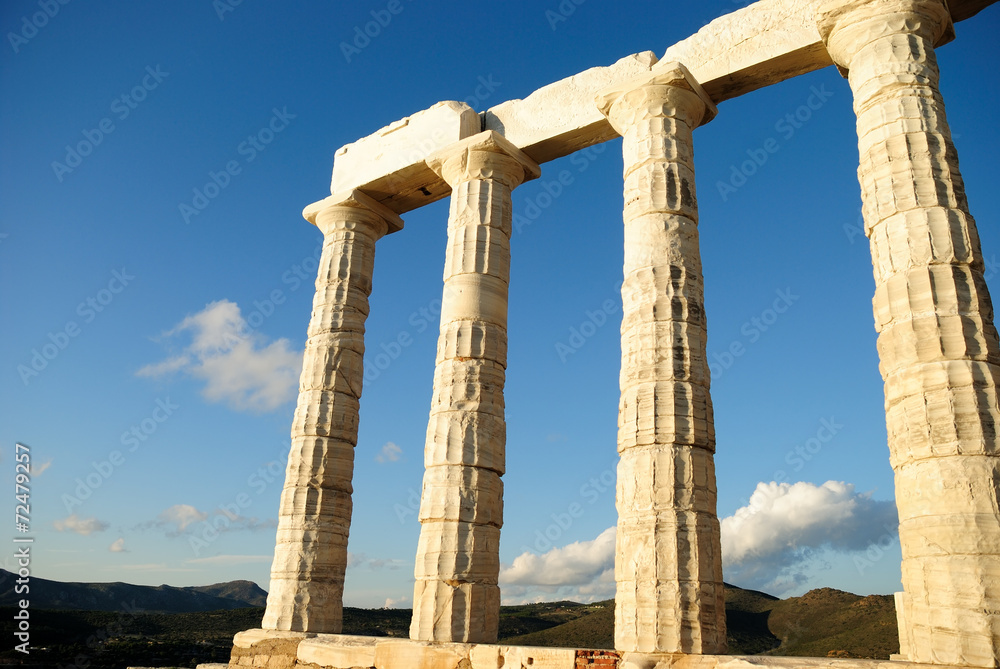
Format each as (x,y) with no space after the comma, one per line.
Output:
(937,344)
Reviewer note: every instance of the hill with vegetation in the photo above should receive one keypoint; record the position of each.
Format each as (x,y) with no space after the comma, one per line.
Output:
(46,594)
(821,623)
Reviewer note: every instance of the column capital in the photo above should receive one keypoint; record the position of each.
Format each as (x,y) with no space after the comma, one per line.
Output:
(668,85)
(357,206)
(486,156)
(846,26)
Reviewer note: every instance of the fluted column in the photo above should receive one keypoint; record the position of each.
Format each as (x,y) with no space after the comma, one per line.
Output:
(456,596)
(937,344)
(310,556)
(668,563)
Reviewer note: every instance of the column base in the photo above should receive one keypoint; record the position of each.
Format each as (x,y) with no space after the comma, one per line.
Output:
(267,649)
(299,650)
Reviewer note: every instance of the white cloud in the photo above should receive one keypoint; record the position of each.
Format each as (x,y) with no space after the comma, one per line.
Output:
(156,567)
(168,366)
(396,603)
(774,541)
(185,519)
(389,453)
(118,546)
(357,560)
(230,559)
(38,468)
(575,564)
(84,526)
(582,571)
(181,515)
(238,364)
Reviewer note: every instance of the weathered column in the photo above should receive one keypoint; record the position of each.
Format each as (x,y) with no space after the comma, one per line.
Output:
(936,340)
(668,563)
(456,596)
(310,558)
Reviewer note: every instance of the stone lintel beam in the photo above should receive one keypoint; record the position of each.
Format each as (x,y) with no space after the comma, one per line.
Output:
(390,166)
(761,44)
(560,118)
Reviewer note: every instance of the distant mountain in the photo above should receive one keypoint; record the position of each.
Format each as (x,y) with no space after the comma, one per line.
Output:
(46,594)
(586,626)
(828,622)
(820,623)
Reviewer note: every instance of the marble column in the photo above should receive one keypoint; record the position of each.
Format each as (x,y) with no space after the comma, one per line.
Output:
(310,557)
(668,563)
(937,344)
(456,596)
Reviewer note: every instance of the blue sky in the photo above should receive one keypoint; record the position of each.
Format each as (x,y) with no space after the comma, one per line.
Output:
(145,432)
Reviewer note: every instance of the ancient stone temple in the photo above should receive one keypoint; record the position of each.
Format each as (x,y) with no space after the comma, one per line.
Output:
(937,344)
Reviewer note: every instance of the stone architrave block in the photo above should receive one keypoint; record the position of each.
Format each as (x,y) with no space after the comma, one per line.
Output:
(560,118)
(389,165)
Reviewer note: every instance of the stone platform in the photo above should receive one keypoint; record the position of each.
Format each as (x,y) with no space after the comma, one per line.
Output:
(291,650)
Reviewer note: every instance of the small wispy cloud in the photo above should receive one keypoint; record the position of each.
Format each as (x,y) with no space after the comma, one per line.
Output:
(389,453)
(151,566)
(181,516)
(230,559)
(118,546)
(396,603)
(84,526)
(361,560)
(38,468)
(181,519)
